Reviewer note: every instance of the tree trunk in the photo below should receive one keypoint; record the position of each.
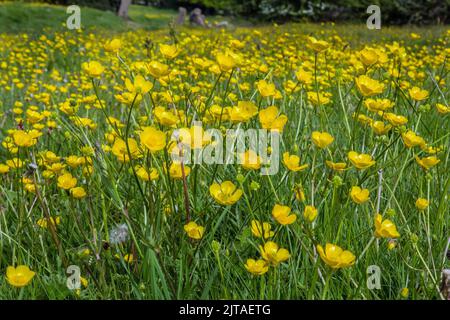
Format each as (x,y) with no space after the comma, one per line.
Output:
(123,9)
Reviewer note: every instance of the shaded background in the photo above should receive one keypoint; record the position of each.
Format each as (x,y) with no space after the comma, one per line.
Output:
(393,11)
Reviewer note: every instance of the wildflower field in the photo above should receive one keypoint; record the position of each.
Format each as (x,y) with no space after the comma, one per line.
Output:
(358,125)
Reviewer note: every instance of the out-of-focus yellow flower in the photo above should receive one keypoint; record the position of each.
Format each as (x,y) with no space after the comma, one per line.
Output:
(304,77)
(266,89)
(361,161)
(23,139)
(380,128)
(442,109)
(404,292)
(335,256)
(78,192)
(226,62)
(193,230)
(385,228)
(310,213)
(427,162)
(153,139)
(282,214)
(67,181)
(139,86)
(93,68)
(44,222)
(225,193)
(376,105)
(273,254)
(359,195)
(422,203)
(270,119)
(418,94)
(168,51)
(145,174)
(411,139)
(261,229)
(300,194)
(317,45)
(120,150)
(176,171)
(257,267)
(243,112)
(368,86)
(292,162)
(113,45)
(250,160)
(158,70)
(322,139)
(394,119)
(368,56)
(19,276)
(317,98)
(337,166)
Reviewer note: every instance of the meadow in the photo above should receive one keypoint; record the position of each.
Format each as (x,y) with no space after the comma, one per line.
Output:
(90,120)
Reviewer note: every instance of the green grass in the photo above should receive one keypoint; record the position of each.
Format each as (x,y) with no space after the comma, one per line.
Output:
(37,17)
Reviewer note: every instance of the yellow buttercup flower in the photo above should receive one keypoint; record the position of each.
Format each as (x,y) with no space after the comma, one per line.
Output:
(368,86)
(243,112)
(273,254)
(176,171)
(23,139)
(304,76)
(411,139)
(270,119)
(119,149)
(19,276)
(337,166)
(368,56)
(310,213)
(261,229)
(427,162)
(322,139)
(359,195)
(225,193)
(292,162)
(376,105)
(257,267)
(168,51)
(93,68)
(158,70)
(139,86)
(266,89)
(361,161)
(385,228)
(44,222)
(250,160)
(78,192)
(442,109)
(146,175)
(418,94)
(317,45)
(67,181)
(422,203)
(335,256)
(282,214)
(153,139)
(394,119)
(226,62)
(113,46)
(318,98)
(380,128)
(194,231)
